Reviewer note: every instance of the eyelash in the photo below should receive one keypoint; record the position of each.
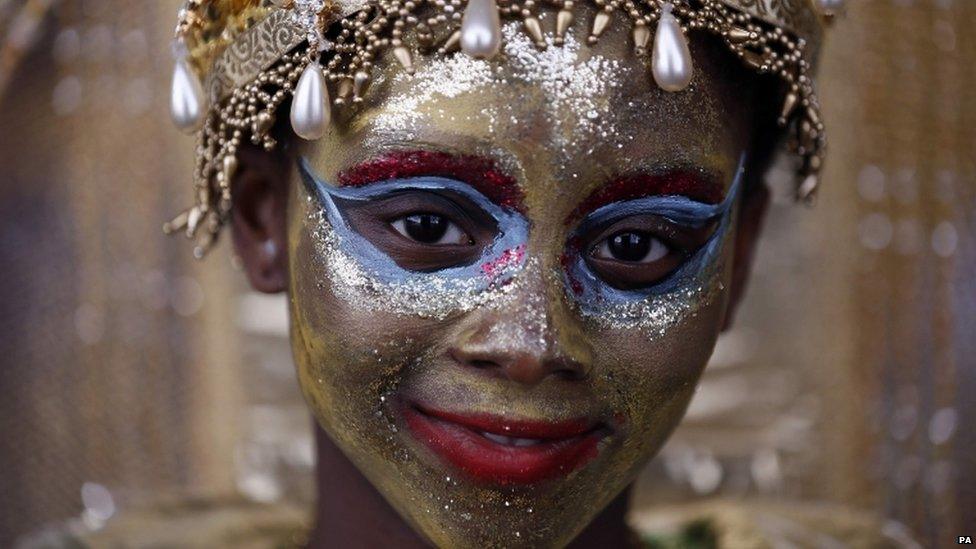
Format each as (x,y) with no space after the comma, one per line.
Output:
(658,247)
(452,230)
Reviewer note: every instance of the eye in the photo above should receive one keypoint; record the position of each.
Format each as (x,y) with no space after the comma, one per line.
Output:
(432,229)
(632,247)
(639,251)
(423,231)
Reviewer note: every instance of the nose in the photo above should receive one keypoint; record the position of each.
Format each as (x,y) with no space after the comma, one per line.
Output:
(530,337)
(524,367)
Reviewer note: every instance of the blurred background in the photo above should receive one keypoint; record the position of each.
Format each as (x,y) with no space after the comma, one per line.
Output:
(132,372)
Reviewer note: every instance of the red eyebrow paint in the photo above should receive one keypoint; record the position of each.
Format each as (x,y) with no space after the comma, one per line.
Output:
(481,173)
(695,186)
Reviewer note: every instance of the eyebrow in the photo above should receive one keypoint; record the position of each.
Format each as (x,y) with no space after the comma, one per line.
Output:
(697,186)
(479,172)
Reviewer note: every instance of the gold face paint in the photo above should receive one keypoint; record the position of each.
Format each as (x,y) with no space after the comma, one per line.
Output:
(377,343)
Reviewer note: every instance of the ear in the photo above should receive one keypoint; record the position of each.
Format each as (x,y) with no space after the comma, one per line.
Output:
(260,191)
(752,214)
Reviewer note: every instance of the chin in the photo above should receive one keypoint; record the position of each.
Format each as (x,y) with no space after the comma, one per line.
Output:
(459,482)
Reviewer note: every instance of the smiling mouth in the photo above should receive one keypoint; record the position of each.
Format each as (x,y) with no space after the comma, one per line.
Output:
(500,450)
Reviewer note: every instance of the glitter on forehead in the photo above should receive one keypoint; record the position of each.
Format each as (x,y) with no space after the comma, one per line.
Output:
(571,84)
(576,88)
(441,76)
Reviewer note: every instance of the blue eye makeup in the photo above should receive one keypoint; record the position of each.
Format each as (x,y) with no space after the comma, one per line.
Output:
(369,273)
(597,297)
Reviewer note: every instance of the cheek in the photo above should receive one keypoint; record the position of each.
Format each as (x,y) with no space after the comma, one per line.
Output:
(348,356)
(651,372)
(650,379)
(653,368)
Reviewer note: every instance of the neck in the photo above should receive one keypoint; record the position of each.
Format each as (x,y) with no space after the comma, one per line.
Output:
(352,513)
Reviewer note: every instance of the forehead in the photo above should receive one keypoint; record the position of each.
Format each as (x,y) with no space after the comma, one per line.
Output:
(561,121)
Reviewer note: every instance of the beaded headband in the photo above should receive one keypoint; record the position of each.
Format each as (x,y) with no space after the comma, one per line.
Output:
(256,54)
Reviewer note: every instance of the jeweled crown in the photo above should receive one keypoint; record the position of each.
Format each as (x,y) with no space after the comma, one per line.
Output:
(237,61)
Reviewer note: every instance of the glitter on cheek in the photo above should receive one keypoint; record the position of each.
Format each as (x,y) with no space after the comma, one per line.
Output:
(429,296)
(655,315)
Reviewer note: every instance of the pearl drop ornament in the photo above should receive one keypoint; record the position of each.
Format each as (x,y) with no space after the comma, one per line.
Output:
(310,106)
(188,103)
(481,29)
(671,61)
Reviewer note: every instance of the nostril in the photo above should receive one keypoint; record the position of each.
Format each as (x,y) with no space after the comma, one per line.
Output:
(569,374)
(482,364)
(520,366)
(480,361)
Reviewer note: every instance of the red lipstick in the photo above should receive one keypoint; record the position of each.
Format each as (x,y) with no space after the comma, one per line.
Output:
(500,450)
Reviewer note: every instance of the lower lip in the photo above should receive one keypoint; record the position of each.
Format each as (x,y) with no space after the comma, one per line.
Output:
(460,443)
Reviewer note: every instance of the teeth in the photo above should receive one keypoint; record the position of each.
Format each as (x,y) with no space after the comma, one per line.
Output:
(498,439)
(510,441)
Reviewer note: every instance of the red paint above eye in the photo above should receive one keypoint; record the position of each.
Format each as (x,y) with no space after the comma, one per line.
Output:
(695,186)
(481,173)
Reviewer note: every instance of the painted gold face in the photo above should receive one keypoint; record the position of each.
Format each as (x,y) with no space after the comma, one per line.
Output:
(507,276)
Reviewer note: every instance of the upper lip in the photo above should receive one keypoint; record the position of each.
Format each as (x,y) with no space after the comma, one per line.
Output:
(543,430)
(502,450)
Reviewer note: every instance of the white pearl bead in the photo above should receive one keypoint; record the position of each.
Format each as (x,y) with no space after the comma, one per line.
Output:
(481,32)
(671,61)
(188,103)
(310,106)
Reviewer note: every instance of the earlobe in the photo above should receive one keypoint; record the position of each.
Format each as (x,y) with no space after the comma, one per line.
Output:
(752,214)
(259,219)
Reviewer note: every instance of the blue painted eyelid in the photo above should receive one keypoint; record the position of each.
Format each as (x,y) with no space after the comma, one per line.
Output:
(323,189)
(513,228)
(513,233)
(679,209)
(595,294)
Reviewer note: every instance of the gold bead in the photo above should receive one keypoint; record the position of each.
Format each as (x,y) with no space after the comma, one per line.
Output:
(452,43)
(738,35)
(359,84)
(600,23)
(263,122)
(230,167)
(753,59)
(563,20)
(177,223)
(807,190)
(535,31)
(789,104)
(813,115)
(193,218)
(344,91)
(402,55)
(642,35)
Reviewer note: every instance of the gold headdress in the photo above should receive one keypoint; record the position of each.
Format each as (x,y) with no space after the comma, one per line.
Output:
(237,61)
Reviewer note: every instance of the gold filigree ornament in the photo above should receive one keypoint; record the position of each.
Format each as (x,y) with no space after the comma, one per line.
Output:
(256,54)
